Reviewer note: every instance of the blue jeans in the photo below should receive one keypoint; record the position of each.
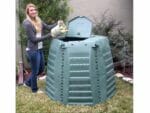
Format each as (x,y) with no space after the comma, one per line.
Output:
(36,59)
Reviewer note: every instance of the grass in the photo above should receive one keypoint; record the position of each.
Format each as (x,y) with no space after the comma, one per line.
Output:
(121,102)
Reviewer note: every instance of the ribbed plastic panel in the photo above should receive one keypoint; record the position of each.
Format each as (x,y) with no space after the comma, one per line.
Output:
(80,72)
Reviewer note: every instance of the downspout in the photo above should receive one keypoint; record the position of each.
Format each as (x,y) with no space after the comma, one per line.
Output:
(19,58)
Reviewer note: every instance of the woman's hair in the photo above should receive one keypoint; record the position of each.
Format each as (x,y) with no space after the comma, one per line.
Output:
(35,22)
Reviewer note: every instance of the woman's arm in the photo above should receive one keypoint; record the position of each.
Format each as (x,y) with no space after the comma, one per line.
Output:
(31,33)
(48,27)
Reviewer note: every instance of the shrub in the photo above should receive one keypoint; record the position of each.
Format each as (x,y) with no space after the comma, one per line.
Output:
(121,42)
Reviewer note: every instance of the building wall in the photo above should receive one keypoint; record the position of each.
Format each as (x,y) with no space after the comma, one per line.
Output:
(121,10)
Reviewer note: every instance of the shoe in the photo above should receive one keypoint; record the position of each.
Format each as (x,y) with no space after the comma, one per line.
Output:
(38,92)
(42,77)
(25,85)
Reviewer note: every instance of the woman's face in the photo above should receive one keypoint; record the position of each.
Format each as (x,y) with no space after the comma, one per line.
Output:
(32,12)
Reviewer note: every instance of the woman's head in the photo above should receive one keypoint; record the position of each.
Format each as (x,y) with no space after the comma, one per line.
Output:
(32,16)
(31,11)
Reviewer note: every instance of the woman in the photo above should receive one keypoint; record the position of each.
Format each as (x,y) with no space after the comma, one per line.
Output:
(34,30)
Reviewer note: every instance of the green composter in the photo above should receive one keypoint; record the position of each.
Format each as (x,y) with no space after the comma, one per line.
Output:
(80,68)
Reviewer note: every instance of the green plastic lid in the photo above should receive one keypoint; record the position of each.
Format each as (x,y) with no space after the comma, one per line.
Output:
(79,27)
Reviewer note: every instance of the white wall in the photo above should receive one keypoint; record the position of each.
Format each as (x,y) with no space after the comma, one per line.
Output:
(119,9)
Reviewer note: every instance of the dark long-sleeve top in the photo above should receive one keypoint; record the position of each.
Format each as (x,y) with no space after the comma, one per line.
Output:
(30,30)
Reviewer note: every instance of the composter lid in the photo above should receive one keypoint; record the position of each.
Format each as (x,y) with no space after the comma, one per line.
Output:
(80,27)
